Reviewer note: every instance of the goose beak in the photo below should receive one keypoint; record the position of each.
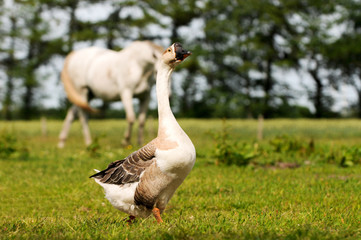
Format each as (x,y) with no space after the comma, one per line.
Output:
(181,53)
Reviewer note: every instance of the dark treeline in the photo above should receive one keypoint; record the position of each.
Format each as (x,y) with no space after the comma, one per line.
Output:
(242,51)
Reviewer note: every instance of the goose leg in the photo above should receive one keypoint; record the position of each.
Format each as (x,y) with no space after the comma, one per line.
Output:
(156,214)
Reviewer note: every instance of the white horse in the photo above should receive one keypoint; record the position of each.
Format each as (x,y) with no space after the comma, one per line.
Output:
(110,76)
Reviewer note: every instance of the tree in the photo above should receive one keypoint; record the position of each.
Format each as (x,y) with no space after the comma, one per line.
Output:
(40,50)
(181,15)
(317,18)
(246,42)
(239,49)
(344,53)
(9,64)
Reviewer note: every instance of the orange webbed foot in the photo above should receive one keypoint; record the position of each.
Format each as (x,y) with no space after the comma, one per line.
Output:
(156,213)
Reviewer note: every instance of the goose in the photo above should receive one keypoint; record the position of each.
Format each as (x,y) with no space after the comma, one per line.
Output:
(143,183)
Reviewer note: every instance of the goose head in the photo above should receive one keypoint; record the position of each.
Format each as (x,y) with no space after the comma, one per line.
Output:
(175,54)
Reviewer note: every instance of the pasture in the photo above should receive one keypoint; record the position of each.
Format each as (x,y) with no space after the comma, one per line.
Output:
(302,181)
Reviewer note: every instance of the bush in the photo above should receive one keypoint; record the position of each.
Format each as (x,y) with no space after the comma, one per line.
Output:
(11,148)
(350,156)
(281,149)
(94,147)
(7,145)
(287,144)
(231,153)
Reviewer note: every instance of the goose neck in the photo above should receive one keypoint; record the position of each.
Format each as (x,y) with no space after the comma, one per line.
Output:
(165,115)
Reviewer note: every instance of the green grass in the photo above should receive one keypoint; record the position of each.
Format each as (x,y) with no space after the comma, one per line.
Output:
(45,193)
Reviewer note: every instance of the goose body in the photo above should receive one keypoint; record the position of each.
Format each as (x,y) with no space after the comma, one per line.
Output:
(144,182)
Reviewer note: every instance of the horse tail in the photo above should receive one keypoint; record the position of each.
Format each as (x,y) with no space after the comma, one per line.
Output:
(73,95)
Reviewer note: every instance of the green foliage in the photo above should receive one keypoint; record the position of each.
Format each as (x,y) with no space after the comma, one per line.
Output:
(346,156)
(94,147)
(287,144)
(343,155)
(351,156)
(232,153)
(354,154)
(282,149)
(7,145)
(11,147)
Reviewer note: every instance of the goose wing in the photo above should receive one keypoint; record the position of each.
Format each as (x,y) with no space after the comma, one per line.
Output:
(128,170)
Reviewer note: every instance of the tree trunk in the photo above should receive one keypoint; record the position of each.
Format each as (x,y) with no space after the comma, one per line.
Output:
(10,65)
(72,24)
(358,103)
(32,63)
(317,100)
(267,89)
(112,25)
(186,100)
(174,37)
(248,106)
(27,111)
(8,99)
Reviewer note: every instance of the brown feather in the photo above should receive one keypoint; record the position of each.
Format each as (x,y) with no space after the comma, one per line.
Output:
(129,169)
(150,187)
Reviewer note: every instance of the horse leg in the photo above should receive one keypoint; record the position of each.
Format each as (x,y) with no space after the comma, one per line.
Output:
(144,103)
(66,126)
(84,122)
(127,99)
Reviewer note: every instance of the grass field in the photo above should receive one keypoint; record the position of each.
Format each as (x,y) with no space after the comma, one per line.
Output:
(45,193)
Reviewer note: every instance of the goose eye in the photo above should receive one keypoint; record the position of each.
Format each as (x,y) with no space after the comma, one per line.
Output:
(168,49)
